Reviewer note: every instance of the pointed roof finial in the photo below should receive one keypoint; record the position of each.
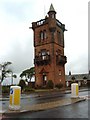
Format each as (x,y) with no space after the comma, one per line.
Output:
(52,8)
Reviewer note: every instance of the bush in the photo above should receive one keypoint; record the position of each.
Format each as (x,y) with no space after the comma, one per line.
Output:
(50,84)
(88,84)
(28,89)
(59,86)
(38,87)
(22,84)
(6,89)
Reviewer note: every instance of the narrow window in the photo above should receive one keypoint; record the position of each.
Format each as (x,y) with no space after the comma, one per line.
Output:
(45,35)
(59,37)
(41,35)
(44,78)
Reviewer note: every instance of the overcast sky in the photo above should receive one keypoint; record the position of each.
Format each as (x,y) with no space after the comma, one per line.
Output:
(16,39)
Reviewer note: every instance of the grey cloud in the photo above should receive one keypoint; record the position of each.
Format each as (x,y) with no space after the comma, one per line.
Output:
(20,58)
(79,65)
(17,10)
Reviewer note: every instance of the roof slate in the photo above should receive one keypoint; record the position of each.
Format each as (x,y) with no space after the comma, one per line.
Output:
(77,77)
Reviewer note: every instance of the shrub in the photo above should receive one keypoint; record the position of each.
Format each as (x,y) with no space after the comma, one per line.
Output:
(73,79)
(28,89)
(38,87)
(50,84)
(88,84)
(59,86)
(6,89)
(22,84)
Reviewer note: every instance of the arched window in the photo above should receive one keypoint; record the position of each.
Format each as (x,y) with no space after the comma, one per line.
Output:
(41,35)
(45,35)
(59,37)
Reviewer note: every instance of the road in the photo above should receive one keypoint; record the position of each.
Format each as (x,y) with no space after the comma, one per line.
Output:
(77,110)
(42,99)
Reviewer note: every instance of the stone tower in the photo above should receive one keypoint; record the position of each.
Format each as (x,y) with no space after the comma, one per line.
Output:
(49,56)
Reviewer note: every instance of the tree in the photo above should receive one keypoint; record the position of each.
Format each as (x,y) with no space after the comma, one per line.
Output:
(73,79)
(22,84)
(28,73)
(84,78)
(13,76)
(59,85)
(4,70)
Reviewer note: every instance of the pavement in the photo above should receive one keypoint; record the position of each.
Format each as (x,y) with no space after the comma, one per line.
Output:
(42,106)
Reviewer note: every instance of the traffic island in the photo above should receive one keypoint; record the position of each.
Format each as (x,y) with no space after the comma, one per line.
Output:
(45,106)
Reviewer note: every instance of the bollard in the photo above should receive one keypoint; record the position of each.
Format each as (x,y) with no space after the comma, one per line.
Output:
(14,100)
(74,90)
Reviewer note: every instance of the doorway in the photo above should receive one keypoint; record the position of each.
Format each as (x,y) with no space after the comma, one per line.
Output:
(44,79)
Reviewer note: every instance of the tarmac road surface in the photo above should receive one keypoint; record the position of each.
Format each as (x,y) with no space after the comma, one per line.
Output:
(77,110)
(42,99)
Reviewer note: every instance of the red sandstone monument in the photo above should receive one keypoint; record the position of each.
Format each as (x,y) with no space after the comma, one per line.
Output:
(49,57)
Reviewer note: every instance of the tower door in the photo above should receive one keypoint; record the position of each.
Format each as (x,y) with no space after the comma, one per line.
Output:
(44,79)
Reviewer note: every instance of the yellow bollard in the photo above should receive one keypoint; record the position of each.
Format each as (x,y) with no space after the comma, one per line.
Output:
(14,100)
(74,90)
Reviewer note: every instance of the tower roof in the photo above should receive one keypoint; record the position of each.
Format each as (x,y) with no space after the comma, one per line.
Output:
(51,8)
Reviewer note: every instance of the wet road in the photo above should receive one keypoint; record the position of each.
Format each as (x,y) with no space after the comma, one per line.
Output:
(42,99)
(46,98)
(77,110)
